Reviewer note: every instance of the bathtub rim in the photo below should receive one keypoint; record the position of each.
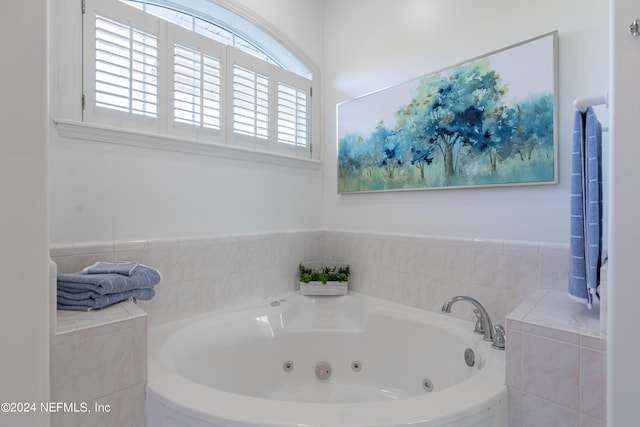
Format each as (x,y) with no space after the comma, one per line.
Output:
(167,387)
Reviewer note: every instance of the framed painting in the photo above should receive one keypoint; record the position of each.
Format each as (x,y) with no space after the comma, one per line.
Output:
(491,121)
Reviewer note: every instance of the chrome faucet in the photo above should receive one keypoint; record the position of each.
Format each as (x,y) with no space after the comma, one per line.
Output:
(483,324)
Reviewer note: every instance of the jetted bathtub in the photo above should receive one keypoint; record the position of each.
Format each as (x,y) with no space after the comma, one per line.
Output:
(351,360)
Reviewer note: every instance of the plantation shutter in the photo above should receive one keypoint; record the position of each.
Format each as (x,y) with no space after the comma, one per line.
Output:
(292,115)
(142,72)
(196,93)
(126,66)
(122,65)
(250,103)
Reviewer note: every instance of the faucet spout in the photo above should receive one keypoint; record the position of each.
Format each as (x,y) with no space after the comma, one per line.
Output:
(484,318)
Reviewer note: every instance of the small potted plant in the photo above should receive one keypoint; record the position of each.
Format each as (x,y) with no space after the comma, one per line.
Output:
(324,281)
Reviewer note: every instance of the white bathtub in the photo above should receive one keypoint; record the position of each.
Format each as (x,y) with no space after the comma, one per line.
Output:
(255,366)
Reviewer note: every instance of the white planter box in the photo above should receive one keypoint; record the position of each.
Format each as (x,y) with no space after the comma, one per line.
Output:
(318,288)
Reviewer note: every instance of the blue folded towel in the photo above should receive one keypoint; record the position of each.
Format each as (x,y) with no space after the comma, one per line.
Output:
(102,284)
(124,267)
(85,301)
(586,207)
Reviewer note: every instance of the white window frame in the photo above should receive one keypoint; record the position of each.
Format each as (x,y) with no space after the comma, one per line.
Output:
(164,126)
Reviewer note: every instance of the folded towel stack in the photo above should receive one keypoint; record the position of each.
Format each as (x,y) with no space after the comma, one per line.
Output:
(106,283)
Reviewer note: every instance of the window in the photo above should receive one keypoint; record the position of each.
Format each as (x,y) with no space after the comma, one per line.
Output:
(250,103)
(196,88)
(292,115)
(126,61)
(150,67)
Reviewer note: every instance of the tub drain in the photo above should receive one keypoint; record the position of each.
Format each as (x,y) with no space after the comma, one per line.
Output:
(427,385)
(323,371)
(356,366)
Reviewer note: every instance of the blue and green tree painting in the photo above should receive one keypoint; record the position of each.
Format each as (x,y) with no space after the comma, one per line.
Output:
(457,127)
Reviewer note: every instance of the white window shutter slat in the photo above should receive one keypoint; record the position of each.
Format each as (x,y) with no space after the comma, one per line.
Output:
(126,63)
(292,115)
(250,103)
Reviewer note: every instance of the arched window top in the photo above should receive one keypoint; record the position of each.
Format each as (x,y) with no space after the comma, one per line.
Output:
(225,26)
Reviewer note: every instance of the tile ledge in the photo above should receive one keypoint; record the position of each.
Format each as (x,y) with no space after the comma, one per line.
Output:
(555,310)
(75,321)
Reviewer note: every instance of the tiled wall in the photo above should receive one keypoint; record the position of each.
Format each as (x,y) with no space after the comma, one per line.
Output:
(99,359)
(201,274)
(556,363)
(424,271)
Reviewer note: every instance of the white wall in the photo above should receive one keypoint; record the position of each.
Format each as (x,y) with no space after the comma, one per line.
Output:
(102,191)
(373,44)
(24,260)
(298,22)
(106,192)
(623,295)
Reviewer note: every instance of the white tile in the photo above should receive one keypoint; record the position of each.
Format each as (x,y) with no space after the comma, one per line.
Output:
(134,310)
(77,326)
(587,421)
(528,304)
(131,255)
(593,383)
(513,325)
(408,289)
(112,410)
(556,310)
(453,241)
(511,302)
(516,246)
(551,333)
(94,367)
(164,243)
(194,259)
(488,269)
(458,264)
(75,263)
(515,408)
(514,359)
(593,343)
(58,250)
(191,240)
(409,256)
(554,249)
(130,245)
(521,271)
(551,370)
(542,413)
(434,261)
(92,247)
(118,409)
(138,360)
(554,272)
(489,244)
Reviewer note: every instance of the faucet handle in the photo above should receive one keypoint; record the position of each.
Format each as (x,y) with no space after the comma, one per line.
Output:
(499,341)
(479,328)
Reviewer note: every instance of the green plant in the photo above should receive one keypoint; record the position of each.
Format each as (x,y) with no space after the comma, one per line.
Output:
(324,275)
